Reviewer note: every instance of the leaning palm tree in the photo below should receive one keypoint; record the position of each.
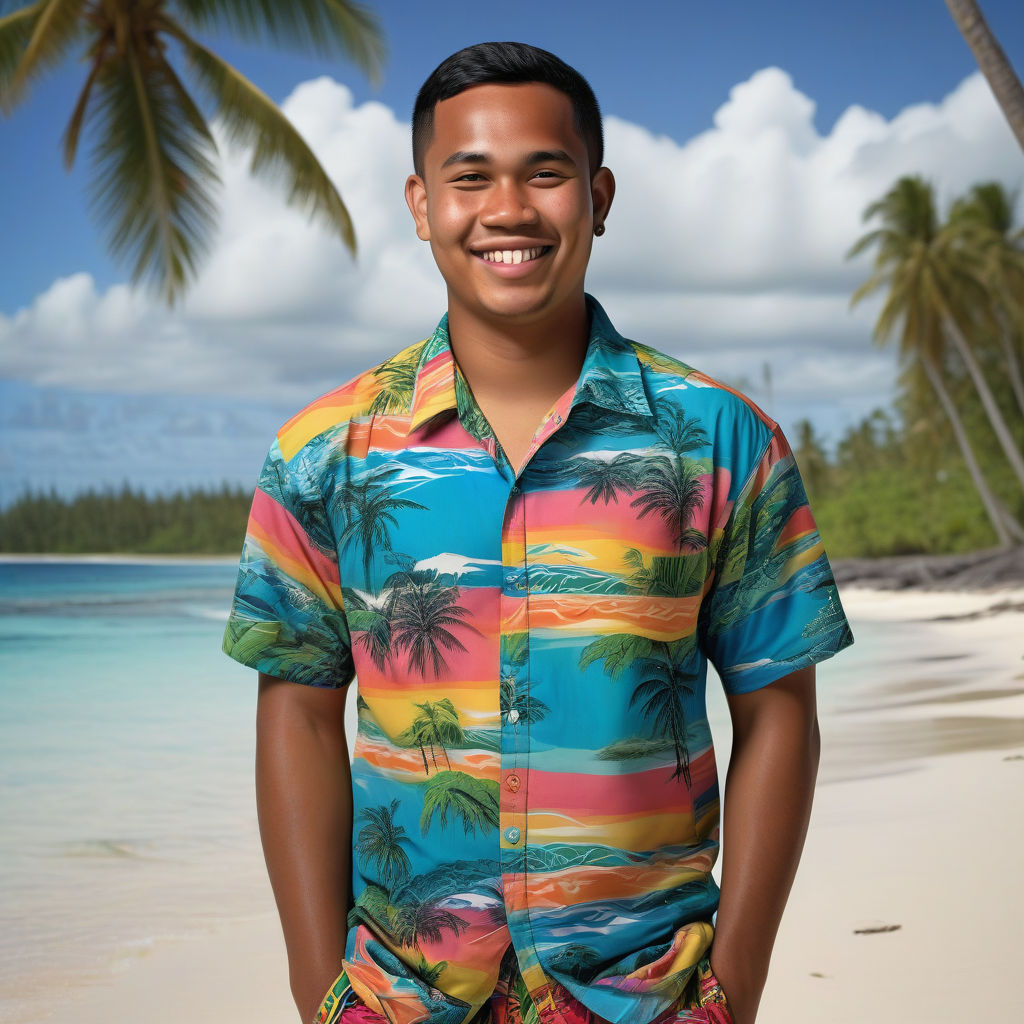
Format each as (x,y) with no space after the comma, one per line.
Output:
(437,725)
(995,66)
(153,159)
(983,221)
(921,281)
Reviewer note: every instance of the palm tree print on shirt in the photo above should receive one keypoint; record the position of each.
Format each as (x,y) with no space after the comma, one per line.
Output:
(475,801)
(369,509)
(381,840)
(415,613)
(668,678)
(435,726)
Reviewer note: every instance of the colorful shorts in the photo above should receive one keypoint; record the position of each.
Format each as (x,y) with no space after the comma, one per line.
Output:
(702,1002)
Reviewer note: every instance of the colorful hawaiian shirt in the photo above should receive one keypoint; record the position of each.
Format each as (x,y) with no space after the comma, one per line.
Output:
(533,777)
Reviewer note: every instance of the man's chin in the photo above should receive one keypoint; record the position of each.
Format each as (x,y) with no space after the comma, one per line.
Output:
(513,305)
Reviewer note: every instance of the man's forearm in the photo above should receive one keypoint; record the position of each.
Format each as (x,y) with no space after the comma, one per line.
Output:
(768,795)
(304,801)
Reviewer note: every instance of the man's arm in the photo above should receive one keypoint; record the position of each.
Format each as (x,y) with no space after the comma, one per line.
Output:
(304,803)
(767,805)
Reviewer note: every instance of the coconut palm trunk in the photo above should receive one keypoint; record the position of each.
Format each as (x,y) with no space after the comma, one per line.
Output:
(995,417)
(980,483)
(1012,362)
(995,66)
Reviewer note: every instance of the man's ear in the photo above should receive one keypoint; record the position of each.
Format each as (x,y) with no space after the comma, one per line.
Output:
(602,189)
(416,198)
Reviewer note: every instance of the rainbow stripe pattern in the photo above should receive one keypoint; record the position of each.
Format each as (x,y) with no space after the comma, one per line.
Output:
(534,781)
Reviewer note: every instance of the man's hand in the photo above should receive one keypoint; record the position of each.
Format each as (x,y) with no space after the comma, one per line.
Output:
(304,802)
(767,805)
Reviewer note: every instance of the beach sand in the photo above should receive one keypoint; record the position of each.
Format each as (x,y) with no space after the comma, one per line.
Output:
(906,906)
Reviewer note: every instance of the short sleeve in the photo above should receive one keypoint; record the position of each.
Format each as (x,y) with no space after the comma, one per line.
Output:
(773,606)
(287,618)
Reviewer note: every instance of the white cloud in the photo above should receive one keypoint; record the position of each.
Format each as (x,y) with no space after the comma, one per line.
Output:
(727,251)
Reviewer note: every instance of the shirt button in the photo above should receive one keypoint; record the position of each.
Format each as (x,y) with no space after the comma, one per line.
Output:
(513,716)
(512,782)
(512,834)
(515,488)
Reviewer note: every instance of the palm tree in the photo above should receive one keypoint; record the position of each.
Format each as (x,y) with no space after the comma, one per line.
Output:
(437,725)
(421,614)
(475,801)
(381,840)
(672,488)
(668,677)
(604,479)
(154,155)
(679,433)
(995,66)
(662,695)
(369,508)
(983,221)
(915,265)
(414,919)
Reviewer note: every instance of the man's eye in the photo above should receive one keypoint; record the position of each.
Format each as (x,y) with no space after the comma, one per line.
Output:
(470,176)
(546,174)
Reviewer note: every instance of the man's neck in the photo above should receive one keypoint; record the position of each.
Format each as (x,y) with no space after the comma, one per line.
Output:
(535,361)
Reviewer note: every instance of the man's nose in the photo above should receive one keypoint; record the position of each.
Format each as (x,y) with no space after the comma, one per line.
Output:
(508,203)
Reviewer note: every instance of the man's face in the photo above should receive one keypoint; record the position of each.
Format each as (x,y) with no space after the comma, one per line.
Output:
(507,202)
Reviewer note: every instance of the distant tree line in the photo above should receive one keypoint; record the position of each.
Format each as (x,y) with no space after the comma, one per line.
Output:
(196,521)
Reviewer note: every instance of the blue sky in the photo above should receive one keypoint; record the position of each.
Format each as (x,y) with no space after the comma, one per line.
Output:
(665,69)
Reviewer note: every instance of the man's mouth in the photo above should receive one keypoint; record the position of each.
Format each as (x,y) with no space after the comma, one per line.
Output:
(514,255)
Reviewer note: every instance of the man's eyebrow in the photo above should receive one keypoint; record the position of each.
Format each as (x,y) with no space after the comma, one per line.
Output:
(463,156)
(541,156)
(550,156)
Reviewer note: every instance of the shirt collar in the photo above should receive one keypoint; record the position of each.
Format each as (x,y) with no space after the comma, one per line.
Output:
(610,377)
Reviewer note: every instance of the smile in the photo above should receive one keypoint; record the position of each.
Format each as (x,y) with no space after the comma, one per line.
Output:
(514,255)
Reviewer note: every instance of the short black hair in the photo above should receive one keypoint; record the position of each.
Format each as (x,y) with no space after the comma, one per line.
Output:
(506,63)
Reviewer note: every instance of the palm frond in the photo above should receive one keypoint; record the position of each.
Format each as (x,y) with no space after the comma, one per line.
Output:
(325,27)
(151,168)
(252,119)
(33,40)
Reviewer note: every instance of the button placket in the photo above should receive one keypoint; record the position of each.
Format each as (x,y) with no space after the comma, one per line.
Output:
(513,746)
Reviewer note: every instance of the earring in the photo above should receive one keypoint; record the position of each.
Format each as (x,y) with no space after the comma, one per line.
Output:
(599,230)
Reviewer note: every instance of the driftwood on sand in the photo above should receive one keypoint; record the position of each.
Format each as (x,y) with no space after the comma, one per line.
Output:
(992,568)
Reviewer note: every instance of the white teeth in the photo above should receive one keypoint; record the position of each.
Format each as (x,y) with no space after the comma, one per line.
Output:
(512,255)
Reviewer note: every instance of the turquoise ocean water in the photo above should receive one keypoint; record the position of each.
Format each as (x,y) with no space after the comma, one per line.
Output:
(126,757)
(126,746)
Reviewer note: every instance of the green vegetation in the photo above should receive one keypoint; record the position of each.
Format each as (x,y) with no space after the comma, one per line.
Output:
(127,521)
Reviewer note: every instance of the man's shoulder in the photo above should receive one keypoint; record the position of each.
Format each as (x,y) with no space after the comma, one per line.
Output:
(675,387)
(385,387)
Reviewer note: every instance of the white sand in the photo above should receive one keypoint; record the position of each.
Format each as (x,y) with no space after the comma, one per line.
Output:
(917,821)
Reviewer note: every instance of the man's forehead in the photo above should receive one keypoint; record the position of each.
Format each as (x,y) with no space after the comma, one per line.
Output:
(496,113)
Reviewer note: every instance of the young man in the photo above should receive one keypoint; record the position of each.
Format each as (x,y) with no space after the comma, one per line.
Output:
(527,535)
